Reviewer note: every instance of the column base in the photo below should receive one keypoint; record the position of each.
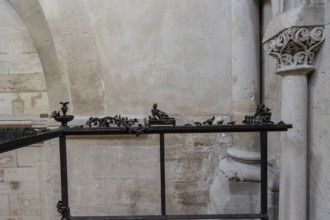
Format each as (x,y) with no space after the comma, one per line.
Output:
(244,156)
(228,197)
(236,171)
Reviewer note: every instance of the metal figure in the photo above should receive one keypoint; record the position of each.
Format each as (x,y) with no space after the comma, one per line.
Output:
(158,114)
(159,117)
(209,121)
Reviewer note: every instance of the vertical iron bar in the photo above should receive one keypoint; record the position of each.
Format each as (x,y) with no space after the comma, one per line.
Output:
(162,173)
(64,172)
(264,176)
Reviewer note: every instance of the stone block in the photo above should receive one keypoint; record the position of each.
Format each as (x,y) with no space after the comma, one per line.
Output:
(32,103)
(2,175)
(3,62)
(11,217)
(121,192)
(113,161)
(23,83)
(28,156)
(6,103)
(21,174)
(19,187)
(4,205)
(24,204)
(8,159)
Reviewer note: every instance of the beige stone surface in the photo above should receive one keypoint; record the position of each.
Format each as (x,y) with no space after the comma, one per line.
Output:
(319,138)
(120,182)
(22,83)
(110,57)
(24,204)
(76,53)
(173,55)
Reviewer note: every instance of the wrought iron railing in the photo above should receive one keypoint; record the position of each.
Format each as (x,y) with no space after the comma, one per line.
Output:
(159,123)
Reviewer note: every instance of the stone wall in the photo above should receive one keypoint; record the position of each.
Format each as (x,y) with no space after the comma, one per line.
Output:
(319,163)
(22,83)
(181,47)
(303,14)
(20,184)
(107,58)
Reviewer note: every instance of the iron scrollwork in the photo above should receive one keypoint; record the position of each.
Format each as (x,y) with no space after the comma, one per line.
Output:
(262,116)
(131,125)
(7,134)
(64,211)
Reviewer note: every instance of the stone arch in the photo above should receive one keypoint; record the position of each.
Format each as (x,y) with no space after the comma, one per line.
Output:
(23,87)
(64,39)
(32,16)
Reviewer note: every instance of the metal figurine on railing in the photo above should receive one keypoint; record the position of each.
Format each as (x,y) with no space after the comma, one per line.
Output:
(262,116)
(159,117)
(64,118)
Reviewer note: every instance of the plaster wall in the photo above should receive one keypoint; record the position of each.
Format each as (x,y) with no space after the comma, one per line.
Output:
(117,57)
(319,175)
(175,53)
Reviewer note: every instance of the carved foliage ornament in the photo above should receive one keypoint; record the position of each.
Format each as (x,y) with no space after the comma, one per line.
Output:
(295,46)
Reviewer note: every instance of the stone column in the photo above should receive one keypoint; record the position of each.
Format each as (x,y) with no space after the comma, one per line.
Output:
(237,183)
(245,88)
(295,49)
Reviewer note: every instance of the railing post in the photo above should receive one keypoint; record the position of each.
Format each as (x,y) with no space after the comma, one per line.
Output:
(263,175)
(63,206)
(162,174)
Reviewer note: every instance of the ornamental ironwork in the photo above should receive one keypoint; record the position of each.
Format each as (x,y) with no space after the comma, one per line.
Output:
(262,116)
(7,134)
(63,211)
(259,122)
(131,125)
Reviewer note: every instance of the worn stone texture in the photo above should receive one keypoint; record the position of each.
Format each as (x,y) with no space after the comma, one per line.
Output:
(309,13)
(77,55)
(319,137)
(23,88)
(111,57)
(116,176)
(176,48)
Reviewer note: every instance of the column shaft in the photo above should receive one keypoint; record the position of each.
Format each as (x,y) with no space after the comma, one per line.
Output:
(294,148)
(245,71)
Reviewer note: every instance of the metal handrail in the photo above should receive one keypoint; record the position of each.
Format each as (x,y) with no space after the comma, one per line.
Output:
(161,125)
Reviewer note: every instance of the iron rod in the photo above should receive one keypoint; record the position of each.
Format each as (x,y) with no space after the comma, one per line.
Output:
(160,217)
(162,173)
(264,176)
(64,171)
(22,142)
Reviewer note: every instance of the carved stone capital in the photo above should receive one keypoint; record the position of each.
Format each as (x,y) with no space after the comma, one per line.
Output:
(295,48)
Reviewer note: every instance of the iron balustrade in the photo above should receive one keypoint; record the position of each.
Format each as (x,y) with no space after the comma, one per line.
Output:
(260,123)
